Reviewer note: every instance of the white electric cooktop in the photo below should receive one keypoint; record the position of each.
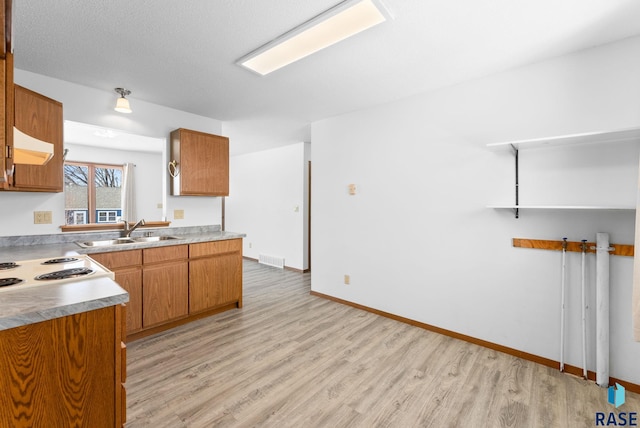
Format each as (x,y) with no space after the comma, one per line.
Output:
(30,273)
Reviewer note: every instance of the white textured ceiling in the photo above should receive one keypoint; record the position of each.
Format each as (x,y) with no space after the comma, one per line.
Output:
(182,54)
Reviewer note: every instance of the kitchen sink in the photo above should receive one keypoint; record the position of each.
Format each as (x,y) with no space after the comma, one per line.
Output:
(106,243)
(123,241)
(154,238)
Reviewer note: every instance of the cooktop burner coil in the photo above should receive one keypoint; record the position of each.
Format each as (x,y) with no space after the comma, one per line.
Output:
(8,265)
(64,274)
(60,260)
(10,281)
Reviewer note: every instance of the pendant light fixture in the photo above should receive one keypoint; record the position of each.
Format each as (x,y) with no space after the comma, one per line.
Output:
(122,105)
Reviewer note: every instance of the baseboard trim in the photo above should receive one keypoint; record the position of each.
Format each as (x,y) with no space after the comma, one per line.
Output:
(286,267)
(573,370)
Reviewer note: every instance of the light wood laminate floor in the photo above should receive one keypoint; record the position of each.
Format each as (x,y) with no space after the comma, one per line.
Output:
(289,359)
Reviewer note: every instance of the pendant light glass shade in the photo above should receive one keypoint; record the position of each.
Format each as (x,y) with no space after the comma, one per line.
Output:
(122,105)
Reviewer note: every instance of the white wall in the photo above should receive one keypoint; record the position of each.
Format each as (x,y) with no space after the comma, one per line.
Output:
(93,106)
(417,239)
(268,202)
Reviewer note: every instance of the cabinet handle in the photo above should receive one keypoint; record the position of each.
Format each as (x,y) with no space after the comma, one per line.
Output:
(173,168)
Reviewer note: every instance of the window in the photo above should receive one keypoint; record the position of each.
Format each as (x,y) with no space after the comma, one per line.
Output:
(108,216)
(92,193)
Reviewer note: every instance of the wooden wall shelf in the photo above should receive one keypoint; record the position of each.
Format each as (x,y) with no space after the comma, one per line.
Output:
(573,246)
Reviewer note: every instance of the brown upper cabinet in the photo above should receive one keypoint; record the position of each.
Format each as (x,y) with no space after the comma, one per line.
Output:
(199,164)
(39,117)
(5,15)
(34,115)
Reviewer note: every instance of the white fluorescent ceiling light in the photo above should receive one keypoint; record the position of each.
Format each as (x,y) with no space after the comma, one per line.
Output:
(338,23)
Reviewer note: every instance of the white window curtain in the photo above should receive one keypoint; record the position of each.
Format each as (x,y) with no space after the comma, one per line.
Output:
(128,194)
(635,299)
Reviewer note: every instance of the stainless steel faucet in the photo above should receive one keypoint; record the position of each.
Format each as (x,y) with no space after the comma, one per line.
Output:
(127,230)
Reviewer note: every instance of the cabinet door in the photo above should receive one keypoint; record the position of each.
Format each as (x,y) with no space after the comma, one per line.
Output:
(165,292)
(3,141)
(41,118)
(131,280)
(203,162)
(215,281)
(127,267)
(61,372)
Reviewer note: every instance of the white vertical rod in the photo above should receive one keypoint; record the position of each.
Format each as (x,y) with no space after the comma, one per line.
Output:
(584,310)
(562,309)
(602,309)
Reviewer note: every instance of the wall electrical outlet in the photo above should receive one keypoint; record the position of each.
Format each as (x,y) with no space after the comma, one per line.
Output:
(178,214)
(42,217)
(159,205)
(347,279)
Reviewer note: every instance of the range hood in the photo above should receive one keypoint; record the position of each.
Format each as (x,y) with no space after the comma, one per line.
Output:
(30,151)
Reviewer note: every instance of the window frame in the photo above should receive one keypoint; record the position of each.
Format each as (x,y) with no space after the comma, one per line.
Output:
(91,189)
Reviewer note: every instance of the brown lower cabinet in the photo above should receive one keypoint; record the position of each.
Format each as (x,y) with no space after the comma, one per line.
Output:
(215,274)
(172,285)
(85,350)
(127,267)
(165,284)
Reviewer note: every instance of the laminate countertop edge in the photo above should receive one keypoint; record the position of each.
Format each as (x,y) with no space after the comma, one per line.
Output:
(50,301)
(20,307)
(38,251)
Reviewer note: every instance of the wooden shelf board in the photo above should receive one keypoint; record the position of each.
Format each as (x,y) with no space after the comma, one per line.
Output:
(602,137)
(564,207)
(573,246)
(108,226)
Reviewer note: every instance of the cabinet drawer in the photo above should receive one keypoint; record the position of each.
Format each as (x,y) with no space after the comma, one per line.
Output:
(215,247)
(118,259)
(163,254)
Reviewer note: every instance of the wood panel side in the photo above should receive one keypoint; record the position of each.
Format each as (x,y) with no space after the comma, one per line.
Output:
(59,372)
(4,179)
(9,95)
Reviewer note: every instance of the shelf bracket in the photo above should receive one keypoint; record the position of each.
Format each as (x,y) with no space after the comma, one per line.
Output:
(516,210)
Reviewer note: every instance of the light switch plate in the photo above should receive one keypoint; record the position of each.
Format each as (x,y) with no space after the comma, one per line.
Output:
(178,214)
(42,217)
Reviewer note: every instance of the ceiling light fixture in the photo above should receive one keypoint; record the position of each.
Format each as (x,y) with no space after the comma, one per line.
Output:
(338,23)
(122,105)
